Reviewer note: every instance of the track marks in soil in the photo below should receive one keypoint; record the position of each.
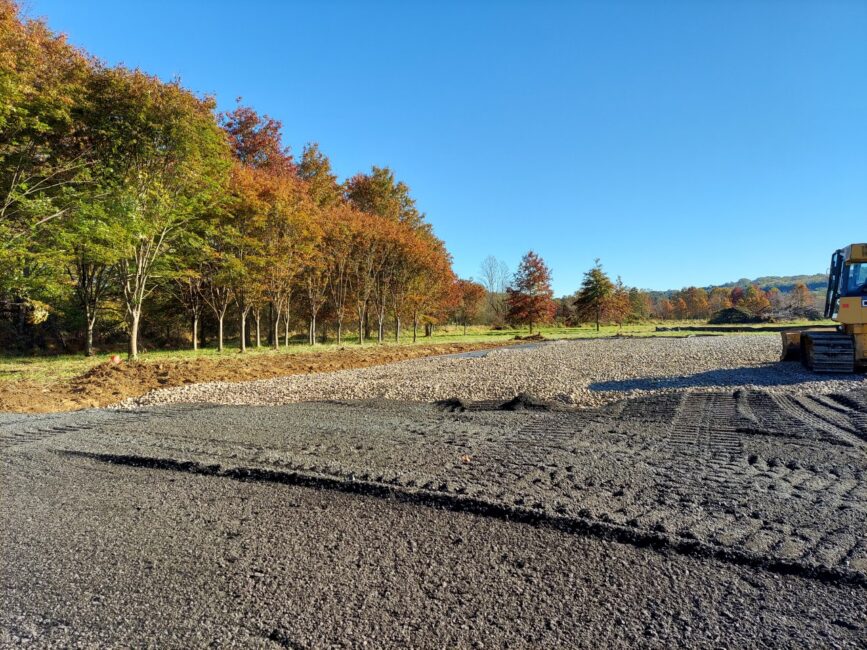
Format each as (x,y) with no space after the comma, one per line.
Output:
(703,425)
(728,471)
(806,417)
(570,524)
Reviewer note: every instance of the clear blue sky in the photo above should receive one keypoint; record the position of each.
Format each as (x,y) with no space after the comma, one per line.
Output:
(681,142)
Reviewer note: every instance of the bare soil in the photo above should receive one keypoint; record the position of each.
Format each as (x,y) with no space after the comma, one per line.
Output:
(108,383)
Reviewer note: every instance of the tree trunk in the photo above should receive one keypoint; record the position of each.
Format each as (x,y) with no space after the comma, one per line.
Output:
(360,327)
(275,330)
(258,316)
(242,344)
(195,331)
(397,329)
(312,331)
(133,334)
(465,328)
(339,331)
(88,335)
(414,327)
(220,333)
(380,326)
(286,324)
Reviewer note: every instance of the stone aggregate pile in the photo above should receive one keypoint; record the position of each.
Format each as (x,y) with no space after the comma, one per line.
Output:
(582,373)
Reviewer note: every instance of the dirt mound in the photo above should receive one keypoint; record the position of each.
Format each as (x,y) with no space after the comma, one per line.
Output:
(733,316)
(530,337)
(529,402)
(452,405)
(109,383)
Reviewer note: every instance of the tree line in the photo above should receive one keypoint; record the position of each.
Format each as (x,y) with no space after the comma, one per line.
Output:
(130,202)
(527,298)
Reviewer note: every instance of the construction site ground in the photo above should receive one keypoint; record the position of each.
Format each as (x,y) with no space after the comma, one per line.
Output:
(717,518)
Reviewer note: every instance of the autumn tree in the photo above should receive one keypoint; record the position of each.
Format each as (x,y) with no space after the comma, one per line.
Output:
(696,300)
(755,301)
(264,196)
(342,231)
(681,309)
(594,295)
(801,298)
(530,298)
(470,298)
(315,170)
(430,291)
(379,193)
(288,239)
(718,299)
(87,244)
(775,298)
(665,309)
(165,162)
(44,152)
(618,307)
(639,304)
(314,281)
(256,140)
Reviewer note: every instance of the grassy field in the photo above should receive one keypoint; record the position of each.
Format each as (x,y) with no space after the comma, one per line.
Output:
(61,367)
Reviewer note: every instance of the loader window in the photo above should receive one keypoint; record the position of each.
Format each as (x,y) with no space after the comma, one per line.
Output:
(856,282)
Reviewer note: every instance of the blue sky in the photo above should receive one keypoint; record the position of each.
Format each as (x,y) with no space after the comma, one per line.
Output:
(680,142)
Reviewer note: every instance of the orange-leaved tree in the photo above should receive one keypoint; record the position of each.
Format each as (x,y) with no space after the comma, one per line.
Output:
(530,299)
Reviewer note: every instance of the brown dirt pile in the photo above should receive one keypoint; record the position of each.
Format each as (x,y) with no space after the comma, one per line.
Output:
(109,383)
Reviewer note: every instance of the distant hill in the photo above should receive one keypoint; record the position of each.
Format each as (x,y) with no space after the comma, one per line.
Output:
(816,283)
(784,283)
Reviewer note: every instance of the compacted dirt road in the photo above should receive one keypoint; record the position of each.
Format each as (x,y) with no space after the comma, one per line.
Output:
(727,519)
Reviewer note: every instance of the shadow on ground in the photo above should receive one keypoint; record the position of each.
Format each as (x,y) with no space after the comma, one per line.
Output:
(775,374)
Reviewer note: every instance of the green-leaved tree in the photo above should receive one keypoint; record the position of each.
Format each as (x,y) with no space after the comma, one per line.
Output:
(595,293)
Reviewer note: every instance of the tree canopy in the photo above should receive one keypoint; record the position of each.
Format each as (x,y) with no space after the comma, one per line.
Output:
(530,297)
(125,197)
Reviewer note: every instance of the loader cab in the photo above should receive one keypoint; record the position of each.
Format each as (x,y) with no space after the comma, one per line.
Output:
(854,280)
(847,277)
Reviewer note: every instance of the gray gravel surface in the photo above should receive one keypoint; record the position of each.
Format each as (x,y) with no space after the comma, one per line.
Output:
(724,519)
(585,373)
(99,555)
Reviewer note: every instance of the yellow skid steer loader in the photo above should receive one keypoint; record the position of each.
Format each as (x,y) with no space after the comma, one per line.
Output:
(843,349)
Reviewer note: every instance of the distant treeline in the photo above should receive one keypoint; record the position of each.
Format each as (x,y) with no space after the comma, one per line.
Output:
(526,299)
(785,283)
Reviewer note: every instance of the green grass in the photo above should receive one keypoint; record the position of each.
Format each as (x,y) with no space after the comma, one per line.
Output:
(43,368)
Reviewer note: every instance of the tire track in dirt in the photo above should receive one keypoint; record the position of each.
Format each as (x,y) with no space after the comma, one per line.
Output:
(30,429)
(460,503)
(696,467)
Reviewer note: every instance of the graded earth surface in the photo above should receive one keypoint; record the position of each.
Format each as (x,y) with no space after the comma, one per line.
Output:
(729,518)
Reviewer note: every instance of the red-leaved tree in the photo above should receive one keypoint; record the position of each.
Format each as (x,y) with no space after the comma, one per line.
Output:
(530,299)
(469,298)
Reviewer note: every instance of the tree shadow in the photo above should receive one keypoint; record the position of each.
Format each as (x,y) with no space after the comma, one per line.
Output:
(774,374)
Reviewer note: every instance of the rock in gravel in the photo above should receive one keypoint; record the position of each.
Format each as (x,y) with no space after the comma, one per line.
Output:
(583,373)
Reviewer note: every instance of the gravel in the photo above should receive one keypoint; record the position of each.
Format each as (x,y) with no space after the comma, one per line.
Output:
(110,551)
(585,373)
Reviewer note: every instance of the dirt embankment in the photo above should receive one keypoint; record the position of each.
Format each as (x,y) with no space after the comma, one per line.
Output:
(109,383)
